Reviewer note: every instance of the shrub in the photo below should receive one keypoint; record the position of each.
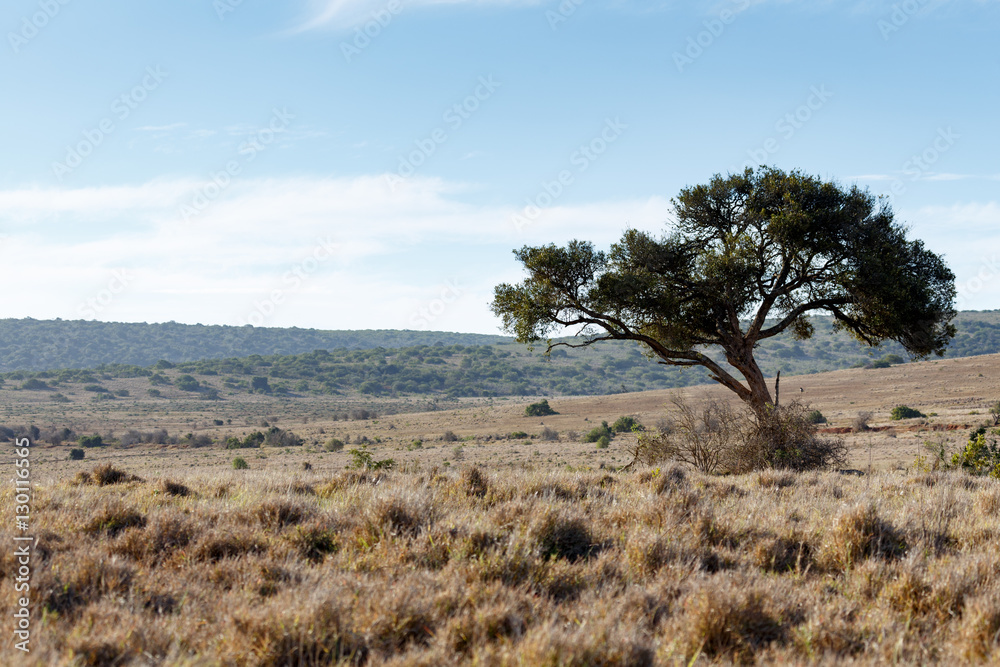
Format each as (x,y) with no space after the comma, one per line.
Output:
(240,463)
(90,441)
(518,435)
(603,442)
(334,445)
(255,439)
(539,409)
(980,457)
(106,474)
(860,422)
(595,434)
(59,398)
(95,388)
(153,392)
(717,438)
(170,488)
(362,459)
(549,434)
(449,436)
(904,412)
(187,383)
(785,438)
(34,384)
(276,437)
(816,417)
(76,454)
(627,425)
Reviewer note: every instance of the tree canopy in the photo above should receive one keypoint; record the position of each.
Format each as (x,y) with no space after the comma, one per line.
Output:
(750,255)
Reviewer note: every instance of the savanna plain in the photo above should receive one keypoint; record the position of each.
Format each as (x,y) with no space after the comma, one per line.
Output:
(497,538)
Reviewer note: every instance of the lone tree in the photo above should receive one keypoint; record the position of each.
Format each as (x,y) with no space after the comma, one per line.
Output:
(750,256)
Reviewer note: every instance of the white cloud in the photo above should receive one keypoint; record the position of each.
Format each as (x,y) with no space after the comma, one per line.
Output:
(383,255)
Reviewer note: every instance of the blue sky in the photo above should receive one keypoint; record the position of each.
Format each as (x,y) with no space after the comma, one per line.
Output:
(349,164)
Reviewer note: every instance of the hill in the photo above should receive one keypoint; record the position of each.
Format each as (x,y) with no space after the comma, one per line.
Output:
(34,345)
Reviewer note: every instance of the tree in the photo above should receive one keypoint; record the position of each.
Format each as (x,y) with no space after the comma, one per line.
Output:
(750,256)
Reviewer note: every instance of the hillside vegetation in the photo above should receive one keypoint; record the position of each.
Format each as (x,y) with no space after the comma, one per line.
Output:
(34,345)
(458,370)
(29,344)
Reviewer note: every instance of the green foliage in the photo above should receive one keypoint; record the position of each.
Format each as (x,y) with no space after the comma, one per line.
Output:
(260,385)
(827,248)
(539,409)
(95,388)
(980,456)
(34,384)
(904,412)
(255,439)
(276,437)
(334,445)
(76,454)
(187,383)
(155,393)
(240,463)
(363,459)
(603,442)
(596,433)
(627,424)
(518,435)
(815,417)
(90,441)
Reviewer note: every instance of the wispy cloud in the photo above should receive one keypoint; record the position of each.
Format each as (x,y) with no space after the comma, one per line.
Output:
(341,14)
(391,249)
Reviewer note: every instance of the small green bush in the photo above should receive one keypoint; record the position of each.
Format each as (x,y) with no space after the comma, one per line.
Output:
(603,442)
(90,441)
(518,435)
(627,424)
(539,409)
(904,412)
(76,454)
(815,417)
(595,433)
(334,445)
(240,463)
(34,384)
(980,457)
(363,459)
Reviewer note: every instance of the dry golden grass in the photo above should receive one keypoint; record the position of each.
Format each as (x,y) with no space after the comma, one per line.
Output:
(472,566)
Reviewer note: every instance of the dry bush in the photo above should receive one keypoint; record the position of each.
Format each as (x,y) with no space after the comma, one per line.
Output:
(700,436)
(280,513)
(860,422)
(170,488)
(106,473)
(728,622)
(559,536)
(979,633)
(475,482)
(784,437)
(858,533)
(716,438)
(113,518)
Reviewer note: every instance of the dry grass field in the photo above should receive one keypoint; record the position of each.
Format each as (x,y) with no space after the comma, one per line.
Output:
(657,566)
(488,550)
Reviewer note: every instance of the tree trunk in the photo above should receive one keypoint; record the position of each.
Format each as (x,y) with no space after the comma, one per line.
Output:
(760,396)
